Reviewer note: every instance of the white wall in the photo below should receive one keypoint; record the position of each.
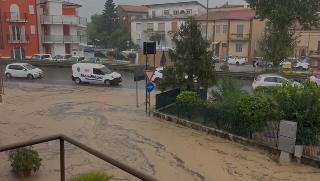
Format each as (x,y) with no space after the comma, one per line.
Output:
(56,29)
(73,30)
(54,8)
(58,49)
(77,49)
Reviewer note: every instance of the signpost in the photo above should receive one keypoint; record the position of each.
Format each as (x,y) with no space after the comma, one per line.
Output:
(149,88)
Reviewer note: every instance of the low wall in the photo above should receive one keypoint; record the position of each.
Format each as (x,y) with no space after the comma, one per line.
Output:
(306,160)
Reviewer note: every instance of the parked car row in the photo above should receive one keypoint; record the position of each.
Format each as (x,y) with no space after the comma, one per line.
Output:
(81,73)
(293,62)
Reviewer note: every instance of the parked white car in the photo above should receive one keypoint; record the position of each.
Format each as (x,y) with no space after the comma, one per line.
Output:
(41,57)
(22,70)
(236,60)
(158,75)
(269,80)
(95,74)
(300,64)
(62,57)
(130,51)
(315,78)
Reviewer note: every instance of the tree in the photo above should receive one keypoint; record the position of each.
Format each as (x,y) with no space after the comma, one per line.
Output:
(191,60)
(119,38)
(283,15)
(157,38)
(95,30)
(109,17)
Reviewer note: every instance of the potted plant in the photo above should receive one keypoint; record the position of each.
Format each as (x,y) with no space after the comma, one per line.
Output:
(91,176)
(24,160)
(132,57)
(111,55)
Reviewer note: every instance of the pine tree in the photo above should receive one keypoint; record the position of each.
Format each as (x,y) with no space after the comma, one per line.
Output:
(191,59)
(110,17)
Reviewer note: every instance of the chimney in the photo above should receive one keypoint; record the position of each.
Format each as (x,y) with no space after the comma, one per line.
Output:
(227,3)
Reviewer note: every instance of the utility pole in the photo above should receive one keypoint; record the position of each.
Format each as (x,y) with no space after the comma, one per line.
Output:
(207,19)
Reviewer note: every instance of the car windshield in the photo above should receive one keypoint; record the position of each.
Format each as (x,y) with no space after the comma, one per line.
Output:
(105,70)
(67,56)
(29,67)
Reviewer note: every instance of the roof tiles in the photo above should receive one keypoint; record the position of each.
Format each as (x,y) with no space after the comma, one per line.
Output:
(130,8)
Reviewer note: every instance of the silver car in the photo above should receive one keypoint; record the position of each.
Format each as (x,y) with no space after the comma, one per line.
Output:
(269,80)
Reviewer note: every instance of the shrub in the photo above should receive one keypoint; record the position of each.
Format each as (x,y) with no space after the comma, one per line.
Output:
(224,67)
(187,103)
(267,90)
(91,176)
(111,54)
(24,159)
(132,56)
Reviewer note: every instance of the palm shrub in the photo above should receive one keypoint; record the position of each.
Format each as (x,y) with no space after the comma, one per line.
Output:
(91,176)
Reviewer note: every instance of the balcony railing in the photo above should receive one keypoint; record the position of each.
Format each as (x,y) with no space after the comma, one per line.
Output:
(13,38)
(65,39)
(239,37)
(15,17)
(138,174)
(70,20)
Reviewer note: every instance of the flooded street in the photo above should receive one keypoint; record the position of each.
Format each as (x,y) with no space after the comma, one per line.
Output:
(107,120)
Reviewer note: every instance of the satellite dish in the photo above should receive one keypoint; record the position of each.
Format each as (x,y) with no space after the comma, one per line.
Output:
(124,18)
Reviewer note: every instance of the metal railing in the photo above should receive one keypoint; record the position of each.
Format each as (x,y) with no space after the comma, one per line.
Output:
(239,36)
(15,17)
(65,39)
(12,38)
(57,19)
(63,138)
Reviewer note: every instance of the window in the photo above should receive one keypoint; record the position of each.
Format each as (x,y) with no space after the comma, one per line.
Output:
(225,29)
(14,33)
(217,29)
(33,29)
(238,47)
(175,12)
(203,29)
(15,12)
(12,67)
(153,13)
(97,72)
(31,9)
(224,45)
(189,11)
(18,67)
(45,56)
(239,31)
(166,12)
(270,79)
(281,80)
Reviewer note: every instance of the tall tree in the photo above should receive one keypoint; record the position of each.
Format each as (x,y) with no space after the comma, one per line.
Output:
(119,38)
(95,29)
(283,15)
(191,60)
(110,17)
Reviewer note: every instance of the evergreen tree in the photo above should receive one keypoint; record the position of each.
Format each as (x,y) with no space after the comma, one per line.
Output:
(110,17)
(191,60)
(282,16)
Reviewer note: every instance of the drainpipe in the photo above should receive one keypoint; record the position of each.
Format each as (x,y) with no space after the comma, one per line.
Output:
(1,32)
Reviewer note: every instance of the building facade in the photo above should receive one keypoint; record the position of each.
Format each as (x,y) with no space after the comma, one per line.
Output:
(127,12)
(61,27)
(162,21)
(18,28)
(234,33)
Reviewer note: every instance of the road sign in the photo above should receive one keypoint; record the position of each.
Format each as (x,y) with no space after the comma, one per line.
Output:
(149,87)
(149,74)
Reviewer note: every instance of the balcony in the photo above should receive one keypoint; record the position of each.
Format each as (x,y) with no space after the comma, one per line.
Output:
(150,31)
(168,16)
(12,38)
(68,20)
(239,37)
(16,17)
(79,39)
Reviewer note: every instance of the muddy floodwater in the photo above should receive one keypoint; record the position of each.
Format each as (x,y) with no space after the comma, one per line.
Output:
(107,120)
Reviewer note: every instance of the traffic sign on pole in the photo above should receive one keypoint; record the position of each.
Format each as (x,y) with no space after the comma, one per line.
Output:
(149,74)
(149,87)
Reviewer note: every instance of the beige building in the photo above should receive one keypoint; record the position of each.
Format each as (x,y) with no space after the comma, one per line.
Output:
(234,32)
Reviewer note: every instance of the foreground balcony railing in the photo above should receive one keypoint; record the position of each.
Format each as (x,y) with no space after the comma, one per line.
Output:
(57,19)
(239,37)
(63,138)
(13,38)
(65,39)
(15,17)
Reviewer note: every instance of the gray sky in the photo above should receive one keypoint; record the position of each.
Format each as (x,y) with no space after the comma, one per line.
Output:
(95,6)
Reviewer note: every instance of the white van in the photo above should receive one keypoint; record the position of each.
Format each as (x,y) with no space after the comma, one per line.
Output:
(95,74)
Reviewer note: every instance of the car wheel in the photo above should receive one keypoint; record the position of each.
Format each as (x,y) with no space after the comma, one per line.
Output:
(300,68)
(107,82)
(8,75)
(40,76)
(237,63)
(77,81)
(30,76)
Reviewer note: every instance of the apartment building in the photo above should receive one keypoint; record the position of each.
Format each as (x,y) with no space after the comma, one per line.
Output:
(127,12)
(163,20)
(18,28)
(61,27)
(234,32)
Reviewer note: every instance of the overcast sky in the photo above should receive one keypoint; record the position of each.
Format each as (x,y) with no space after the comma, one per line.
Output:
(90,7)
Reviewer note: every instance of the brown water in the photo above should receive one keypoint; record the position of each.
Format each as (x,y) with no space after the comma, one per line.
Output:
(107,120)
